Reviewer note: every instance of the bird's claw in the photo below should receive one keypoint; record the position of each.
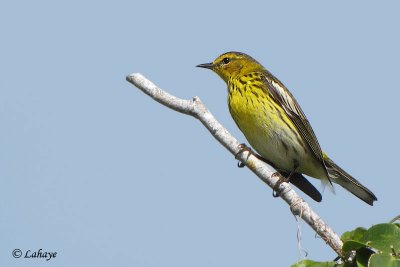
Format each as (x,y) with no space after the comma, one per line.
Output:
(241,164)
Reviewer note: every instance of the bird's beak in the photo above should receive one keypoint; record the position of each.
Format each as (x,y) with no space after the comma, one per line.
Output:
(206,66)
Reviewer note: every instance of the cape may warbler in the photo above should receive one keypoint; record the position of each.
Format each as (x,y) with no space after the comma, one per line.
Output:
(276,127)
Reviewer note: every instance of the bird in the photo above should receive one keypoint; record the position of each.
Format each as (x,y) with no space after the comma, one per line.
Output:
(275,126)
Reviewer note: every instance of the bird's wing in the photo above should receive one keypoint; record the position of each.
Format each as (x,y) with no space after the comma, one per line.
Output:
(285,99)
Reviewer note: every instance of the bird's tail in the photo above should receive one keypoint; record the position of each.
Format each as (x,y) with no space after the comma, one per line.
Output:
(339,176)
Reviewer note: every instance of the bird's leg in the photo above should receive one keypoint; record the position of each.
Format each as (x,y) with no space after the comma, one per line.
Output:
(281,180)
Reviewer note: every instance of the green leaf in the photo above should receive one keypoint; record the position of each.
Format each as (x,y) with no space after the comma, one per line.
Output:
(380,260)
(383,237)
(362,252)
(354,235)
(310,263)
(379,246)
(362,256)
(352,245)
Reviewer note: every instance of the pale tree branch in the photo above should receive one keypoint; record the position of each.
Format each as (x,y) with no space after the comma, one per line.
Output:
(266,173)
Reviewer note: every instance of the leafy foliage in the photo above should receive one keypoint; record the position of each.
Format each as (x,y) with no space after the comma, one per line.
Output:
(378,246)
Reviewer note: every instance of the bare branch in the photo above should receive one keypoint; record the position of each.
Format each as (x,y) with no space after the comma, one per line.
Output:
(265,172)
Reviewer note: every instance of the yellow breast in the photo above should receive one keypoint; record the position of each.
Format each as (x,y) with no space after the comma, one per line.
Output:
(266,127)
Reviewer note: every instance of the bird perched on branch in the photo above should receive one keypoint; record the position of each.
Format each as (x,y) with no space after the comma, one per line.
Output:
(276,127)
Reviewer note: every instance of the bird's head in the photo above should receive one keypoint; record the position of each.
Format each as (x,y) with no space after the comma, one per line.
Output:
(232,64)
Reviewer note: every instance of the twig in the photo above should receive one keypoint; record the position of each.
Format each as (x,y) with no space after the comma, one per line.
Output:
(197,109)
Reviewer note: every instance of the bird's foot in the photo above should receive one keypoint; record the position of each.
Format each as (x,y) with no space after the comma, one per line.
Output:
(281,180)
(243,148)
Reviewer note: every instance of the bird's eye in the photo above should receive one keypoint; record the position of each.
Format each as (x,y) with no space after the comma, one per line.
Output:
(226,60)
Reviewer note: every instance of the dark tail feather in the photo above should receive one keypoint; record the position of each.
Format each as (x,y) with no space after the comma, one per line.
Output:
(304,185)
(339,176)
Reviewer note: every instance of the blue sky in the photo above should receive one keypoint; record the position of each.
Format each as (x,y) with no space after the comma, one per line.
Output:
(95,170)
